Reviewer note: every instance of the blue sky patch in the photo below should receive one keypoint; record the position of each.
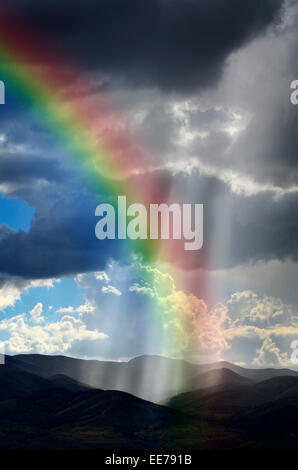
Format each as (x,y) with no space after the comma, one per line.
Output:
(15,213)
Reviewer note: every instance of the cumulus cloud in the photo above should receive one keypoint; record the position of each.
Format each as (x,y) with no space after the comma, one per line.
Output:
(247,328)
(9,294)
(246,308)
(260,329)
(49,338)
(11,288)
(269,355)
(188,324)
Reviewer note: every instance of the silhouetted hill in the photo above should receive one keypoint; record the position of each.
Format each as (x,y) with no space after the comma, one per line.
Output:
(224,387)
(117,410)
(256,375)
(223,402)
(210,403)
(272,425)
(57,418)
(221,378)
(275,388)
(67,383)
(15,384)
(273,416)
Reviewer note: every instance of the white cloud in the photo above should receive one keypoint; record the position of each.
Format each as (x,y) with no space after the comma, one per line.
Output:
(111,290)
(260,329)
(246,308)
(85,308)
(36,313)
(12,289)
(101,276)
(50,338)
(9,294)
(49,283)
(141,289)
(247,328)
(80,277)
(187,322)
(69,309)
(270,355)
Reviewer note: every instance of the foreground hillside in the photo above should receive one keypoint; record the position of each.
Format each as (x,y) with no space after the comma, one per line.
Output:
(232,409)
(56,418)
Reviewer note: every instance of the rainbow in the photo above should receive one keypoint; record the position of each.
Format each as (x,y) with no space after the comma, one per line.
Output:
(102,148)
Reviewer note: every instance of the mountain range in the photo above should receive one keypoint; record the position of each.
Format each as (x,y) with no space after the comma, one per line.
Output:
(153,378)
(150,402)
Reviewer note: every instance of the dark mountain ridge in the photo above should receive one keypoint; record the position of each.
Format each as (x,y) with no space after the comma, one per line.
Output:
(170,376)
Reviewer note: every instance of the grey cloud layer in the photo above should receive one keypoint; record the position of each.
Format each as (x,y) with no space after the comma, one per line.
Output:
(240,229)
(237,229)
(244,130)
(166,43)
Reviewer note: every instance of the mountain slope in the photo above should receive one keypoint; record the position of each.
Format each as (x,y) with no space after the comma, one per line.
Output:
(222,402)
(18,383)
(135,376)
(228,411)
(256,375)
(222,378)
(169,376)
(67,383)
(15,384)
(95,419)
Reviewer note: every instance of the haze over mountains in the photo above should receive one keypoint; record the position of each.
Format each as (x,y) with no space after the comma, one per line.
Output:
(57,402)
(153,378)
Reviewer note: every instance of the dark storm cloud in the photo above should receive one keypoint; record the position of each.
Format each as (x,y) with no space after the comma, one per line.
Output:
(28,169)
(173,44)
(237,229)
(268,148)
(61,240)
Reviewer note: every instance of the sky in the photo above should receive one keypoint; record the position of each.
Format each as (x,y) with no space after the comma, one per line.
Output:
(202,88)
